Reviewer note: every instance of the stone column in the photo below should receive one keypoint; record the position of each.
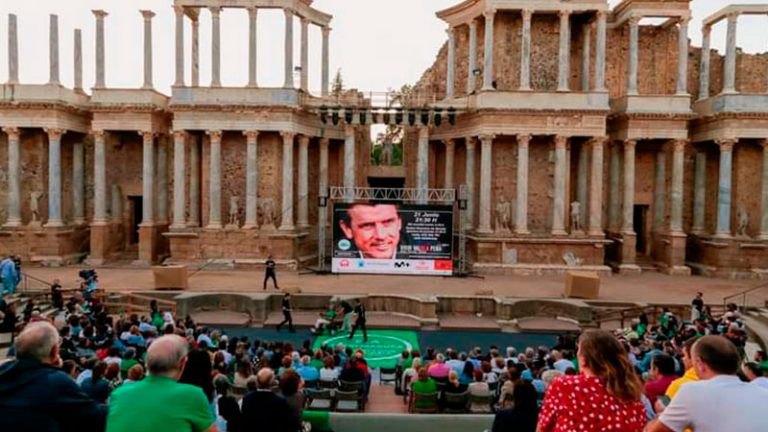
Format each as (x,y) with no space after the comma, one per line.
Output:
(486,154)
(78,61)
(450,149)
(564,52)
(682,57)
(194,182)
(179,178)
(100,72)
(195,53)
(678,170)
(634,39)
(303,214)
(600,54)
(525,52)
(78,183)
(582,182)
(586,57)
(629,188)
(596,188)
(304,54)
(724,188)
(214,181)
(13,50)
(704,66)
(521,219)
(614,189)
(286,222)
(729,72)
(148,179)
(660,190)
(53,51)
(162,180)
(147,14)
(179,10)
(251,179)
(252,46)
(471,85)
(700,193)
(215,46)
(469,180)
(488,53)
(558,207)
(54,177)
(451,75)
(288,52)
(326,60)
(323,181)
(349,157)
(14,177)
(99,178)
(422,164)
(764,192)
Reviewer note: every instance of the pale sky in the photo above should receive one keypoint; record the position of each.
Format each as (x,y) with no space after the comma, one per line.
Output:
(378,44)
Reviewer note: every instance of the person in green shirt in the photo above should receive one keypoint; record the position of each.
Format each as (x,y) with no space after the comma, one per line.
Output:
(325,320)
(424,385)
(159,402)
(128,361)
(761,358)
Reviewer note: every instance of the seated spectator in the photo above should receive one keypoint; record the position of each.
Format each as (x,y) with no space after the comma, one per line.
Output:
(112,375)
(468,373)
(266,409)
(128,361)
(522,417)
(507,389)
(720,401)
(488,375)
(453,387)
(71,368)
(97,387)
(560,363)
(410,374)
(291,389)
(423,385)
(755,375)
(479,388)
(689,375)
(547,377)
(329,372)
(761,358)
(662,374)
(352,373)
(35,395)
(226,408)
(498,366)
(136,373)
(243,372)
(607,392)
(287,363)
(438,369)
(198,371)
(307,371)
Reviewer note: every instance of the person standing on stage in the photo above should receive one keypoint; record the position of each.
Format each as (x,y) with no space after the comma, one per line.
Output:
(269,272)
(360,321)
(287,318)
(348,312)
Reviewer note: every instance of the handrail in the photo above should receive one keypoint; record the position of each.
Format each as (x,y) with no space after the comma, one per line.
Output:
(744,295)
(653,312)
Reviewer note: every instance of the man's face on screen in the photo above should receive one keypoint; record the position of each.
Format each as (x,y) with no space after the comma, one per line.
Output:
(375,229)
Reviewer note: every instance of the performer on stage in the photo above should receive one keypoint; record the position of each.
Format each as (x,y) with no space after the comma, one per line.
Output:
(360,321)
(269,272)
(287,313)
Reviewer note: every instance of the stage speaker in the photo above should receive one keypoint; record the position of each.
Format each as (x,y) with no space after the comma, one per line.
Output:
(170,278)
(582,285)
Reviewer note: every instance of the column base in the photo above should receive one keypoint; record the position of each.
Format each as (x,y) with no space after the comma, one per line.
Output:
(559,233)
(13,224)
(597,232)
(287,228)
(250,226)
(763,236)
(54,224)
(723,235)
(178,227)
(522,231)
(214,227)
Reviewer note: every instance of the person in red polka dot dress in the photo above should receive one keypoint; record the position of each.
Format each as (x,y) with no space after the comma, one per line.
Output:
(604,397)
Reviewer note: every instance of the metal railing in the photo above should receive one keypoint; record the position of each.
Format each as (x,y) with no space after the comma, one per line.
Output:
(138,303)
(744,295)
(653,312)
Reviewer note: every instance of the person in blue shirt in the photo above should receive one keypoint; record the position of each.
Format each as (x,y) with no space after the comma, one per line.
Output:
(307,371)
(9,275)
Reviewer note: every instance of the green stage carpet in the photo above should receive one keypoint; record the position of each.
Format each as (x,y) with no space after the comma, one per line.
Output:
(383,346)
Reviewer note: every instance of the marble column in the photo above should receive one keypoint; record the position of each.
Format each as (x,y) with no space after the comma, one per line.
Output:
(99,178)
(304,54)
(450,150)
(660,190)
(614,189)
(682,57)
(350,179)
(147,14)
(634,40)
(179,179)
(521,219)
(582,182)
(469,181)
(13,50)
(558,206)
(179,10)
(54,177)
(628,226)
(325,67)
(53,51)
(251,179)
(215,46)
(600,54)
(78,61)
(14,177)
(704,65)
(700,193)
(78,183)
(525,52)
(214,181)
(724,188)
(195,66)
(194,181)
(764,192)
(322,189)
(288,52)
(422,164)
(596,188)
(678,170)
(564,52)
(148,179)
(486,154)
(729,67)
(472,58)
(100,70)
(302,219)
(162,180)
(586,57)
(252,46)
(286,222)
(488,50)
(451,75)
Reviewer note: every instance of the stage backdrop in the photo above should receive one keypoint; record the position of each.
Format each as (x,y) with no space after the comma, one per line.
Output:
(392,239)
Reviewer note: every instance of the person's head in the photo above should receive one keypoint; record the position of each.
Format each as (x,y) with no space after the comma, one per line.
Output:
(687,347)
(56,281)
(289,383)
(329,363)
(221,384)
(39,341)
(662,365)
(699,295)
(265,378)
(373,228)
(453,377)
(416,363)
(405,354)
(439,358)
(305,360)
(99,371)
(198,371)
(167,356)
(423,375)
(70,368)
(136,373)
(556,355)
(761,356)
(752,371)
(469,369)
(524,395)
(714,355)
(478,375)
(287,296)
(600,354)
(245,369)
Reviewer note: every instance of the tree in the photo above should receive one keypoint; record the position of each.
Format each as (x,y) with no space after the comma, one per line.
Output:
(337,86)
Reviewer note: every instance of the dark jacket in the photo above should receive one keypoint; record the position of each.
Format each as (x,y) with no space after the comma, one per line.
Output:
(511,420)
(37,397)
(269,411)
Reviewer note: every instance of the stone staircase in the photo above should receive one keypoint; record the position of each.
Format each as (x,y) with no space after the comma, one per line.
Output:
(757,322)
(20,301)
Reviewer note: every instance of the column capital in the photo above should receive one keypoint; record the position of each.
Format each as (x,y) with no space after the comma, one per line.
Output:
(733,17)
(487,138)
(287,136)
(303,140)
(470,143)
(55,133)
(179,134)
(178,10)
(288,12)
(599,141)
(706,30)
(253,11)
(99,14)
(349,129)
(561,141)
(324,142)
(304,22)
(634,20)
(326,30)
(251,135)
(527,14)
(726,145)
(630,144)
(450,31)
(684,20)
(524,140)
(679,145)
(147,14)
(12,132)
(214,134)
(764,143)
(146,135)
(601,14)
(215,11)
(564,13)
(449,143)
(195,23)
(489,13)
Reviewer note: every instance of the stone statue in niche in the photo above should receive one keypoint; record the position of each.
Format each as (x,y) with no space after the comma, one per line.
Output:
(503,215)
(386,153)
(34,198)
(743,222)
(576,218)
(234,211)
(268,214)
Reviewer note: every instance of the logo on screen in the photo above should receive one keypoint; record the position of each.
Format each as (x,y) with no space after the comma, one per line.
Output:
(401,264)
(423,265)
(344,263)
(443,265)
(345,244)
(360,263)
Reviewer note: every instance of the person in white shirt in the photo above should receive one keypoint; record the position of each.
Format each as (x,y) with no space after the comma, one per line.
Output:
(560,363)
(720,401)
(755,375)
